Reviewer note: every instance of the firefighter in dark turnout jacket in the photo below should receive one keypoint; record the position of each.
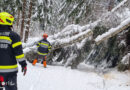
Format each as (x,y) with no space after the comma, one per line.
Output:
(10,53)
(43,48)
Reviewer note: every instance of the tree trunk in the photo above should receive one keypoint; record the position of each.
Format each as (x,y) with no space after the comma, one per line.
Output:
(111,5)
(128,44)
(23,17)
(18,19)
(28,22)
(79,38)
(129,63)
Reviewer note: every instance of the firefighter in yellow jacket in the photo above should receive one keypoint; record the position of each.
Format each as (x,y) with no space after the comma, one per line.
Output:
(10,53)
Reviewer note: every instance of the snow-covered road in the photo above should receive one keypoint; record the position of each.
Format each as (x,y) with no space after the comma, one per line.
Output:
(61,78)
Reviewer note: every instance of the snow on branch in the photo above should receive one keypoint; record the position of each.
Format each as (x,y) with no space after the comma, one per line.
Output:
(118,6)
(72,34)
(59,43)
(68,36)
(73,29)
(126,59)
(112,32)
(115,16)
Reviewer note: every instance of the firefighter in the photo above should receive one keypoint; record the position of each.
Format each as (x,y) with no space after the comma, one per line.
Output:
(10,53)
(43,48)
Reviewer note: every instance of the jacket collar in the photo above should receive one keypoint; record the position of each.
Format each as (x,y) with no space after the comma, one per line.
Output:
(4,27)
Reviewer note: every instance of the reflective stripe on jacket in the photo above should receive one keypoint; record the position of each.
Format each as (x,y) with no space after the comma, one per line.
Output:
(43,47)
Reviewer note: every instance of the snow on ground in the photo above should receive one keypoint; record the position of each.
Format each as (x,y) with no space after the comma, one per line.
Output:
(61,78)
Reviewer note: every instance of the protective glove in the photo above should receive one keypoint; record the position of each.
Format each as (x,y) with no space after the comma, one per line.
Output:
(24,70)
(24,67)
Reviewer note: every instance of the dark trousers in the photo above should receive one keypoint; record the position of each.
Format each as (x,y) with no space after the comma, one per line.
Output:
(10,82)
(41,57)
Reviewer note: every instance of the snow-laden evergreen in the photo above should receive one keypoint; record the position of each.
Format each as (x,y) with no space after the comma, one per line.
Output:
(113,31)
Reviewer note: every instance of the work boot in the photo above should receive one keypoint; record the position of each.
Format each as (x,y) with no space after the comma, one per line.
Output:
(44,64)
(34,61)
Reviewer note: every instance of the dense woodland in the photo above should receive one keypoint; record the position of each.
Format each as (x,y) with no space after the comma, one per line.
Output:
(73,26)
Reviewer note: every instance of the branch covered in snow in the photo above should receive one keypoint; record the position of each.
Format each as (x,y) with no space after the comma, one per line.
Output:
(73,29)
(126,59)
(118,6)
(113,31)
(71,40)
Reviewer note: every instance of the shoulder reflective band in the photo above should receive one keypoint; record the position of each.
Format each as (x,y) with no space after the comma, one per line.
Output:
(5,38)
(16,44)
(9,67)
(20,56)
(42,53)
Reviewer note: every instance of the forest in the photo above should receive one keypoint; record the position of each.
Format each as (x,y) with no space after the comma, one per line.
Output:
(89,43)
(96,32)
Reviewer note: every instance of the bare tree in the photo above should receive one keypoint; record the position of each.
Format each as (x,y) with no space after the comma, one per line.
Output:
(23,17)
(17,24)
(28,22)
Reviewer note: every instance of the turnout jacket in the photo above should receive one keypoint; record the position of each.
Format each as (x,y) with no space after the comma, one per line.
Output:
(43,47)
(10,50)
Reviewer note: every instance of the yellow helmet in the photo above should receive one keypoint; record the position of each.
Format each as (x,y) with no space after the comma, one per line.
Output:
(6,18)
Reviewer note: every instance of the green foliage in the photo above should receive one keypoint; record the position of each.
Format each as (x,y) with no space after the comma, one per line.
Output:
(98,30)
(76,10)
(119,0)
(69,1)
(122,67)
(77,21)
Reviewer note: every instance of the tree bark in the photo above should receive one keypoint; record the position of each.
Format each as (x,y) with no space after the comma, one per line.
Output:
(23,17)
(28,22)
(111,5)
(18,19)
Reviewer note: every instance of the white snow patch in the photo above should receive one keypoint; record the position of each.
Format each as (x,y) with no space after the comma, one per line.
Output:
(126,59)
(61,78)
